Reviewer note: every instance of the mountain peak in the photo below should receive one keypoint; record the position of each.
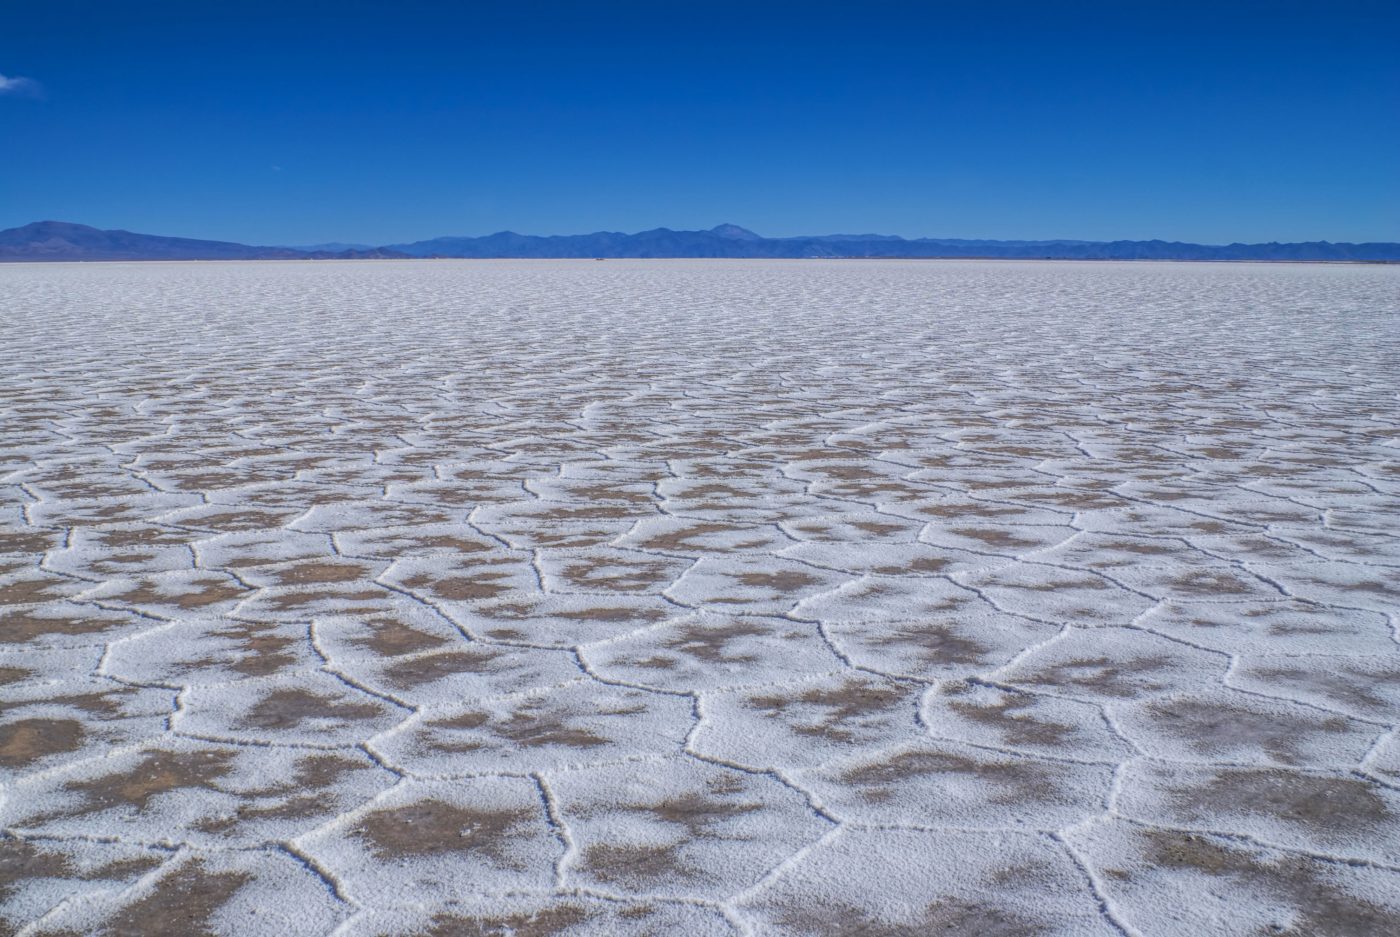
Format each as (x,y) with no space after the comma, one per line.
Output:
(734,232)
(57,227)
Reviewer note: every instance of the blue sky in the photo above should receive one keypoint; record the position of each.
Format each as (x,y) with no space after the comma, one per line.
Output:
(299,122)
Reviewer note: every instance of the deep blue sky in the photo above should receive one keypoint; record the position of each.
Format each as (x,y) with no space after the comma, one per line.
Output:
(299,122)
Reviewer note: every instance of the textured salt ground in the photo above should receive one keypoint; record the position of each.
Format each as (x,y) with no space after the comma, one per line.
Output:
(690,597)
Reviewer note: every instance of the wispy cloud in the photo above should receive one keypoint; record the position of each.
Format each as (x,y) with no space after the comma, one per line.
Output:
(10,85)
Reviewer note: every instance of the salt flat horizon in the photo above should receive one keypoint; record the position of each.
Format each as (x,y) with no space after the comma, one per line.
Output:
(799,597)
(318,261)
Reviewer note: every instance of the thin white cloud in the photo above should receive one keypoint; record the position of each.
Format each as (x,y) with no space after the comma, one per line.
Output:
(18,85)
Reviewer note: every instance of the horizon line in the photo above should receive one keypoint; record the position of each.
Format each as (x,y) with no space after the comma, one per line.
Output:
(850,236)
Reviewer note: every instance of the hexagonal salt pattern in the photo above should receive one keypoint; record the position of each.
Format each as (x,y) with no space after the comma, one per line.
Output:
(699,598)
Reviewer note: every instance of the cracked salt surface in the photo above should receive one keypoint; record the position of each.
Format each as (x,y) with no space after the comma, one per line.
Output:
(693,597)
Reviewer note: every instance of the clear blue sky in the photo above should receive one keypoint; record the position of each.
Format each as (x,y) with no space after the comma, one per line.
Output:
(298,122)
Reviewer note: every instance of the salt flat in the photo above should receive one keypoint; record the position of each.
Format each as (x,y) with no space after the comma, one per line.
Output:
(690,597)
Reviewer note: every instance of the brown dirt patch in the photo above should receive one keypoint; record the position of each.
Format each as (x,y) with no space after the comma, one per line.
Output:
(1009,781)
(183,904)
(1008,719)
(389,638)
(28,740)
(835,709)
(546,922)
(289,708)
(157,773)
(435,827)
(633,866)
(22,627)
(409,674)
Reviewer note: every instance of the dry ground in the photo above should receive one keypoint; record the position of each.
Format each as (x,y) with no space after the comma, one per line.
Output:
(688,598)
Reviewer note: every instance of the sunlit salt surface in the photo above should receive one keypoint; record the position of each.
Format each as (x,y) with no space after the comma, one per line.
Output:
(690,597)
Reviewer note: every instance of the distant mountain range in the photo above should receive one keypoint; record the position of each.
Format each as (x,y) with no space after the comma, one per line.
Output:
(60,240)
(57,240)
